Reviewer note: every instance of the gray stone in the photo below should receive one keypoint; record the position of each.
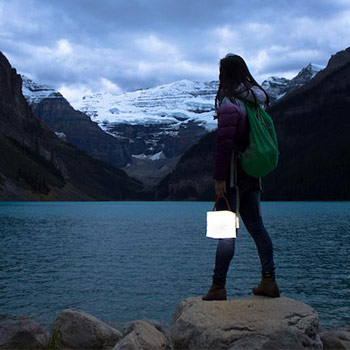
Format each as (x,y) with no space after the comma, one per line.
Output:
(79,330)
(334,340)
(344,327)
(162,327)
(22,333)
(142,335)
(117,325)
(249,323)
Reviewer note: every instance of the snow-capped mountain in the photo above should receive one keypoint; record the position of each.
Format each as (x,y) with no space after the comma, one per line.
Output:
(34,92)
(161,123)
(73,126)
(174,104)
(277,87)
(304,76)
(312,123)
(157,125)
(153,118)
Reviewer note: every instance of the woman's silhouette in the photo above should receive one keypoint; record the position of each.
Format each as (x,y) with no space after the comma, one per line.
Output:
(235,81)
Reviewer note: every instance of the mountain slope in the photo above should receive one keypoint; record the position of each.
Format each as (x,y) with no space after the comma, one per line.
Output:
(37,165)
(145,131)
(73,126)
(279,87)
(192,178)
(311,123)
(166,120)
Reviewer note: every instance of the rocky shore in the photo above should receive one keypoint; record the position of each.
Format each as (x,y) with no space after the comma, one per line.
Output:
(248,323)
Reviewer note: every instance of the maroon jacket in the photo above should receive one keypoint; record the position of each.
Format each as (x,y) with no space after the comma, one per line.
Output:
(233,129)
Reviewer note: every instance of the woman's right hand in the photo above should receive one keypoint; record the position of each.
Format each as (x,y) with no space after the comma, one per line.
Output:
(220,188)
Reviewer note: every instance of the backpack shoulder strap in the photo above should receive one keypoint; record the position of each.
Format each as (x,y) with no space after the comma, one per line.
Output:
(233,176)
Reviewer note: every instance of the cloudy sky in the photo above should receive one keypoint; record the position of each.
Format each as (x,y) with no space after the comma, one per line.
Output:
(85,46)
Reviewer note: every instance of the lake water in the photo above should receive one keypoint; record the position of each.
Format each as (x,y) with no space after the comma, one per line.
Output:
(122,261)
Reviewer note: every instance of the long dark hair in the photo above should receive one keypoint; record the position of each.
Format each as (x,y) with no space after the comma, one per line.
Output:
(233,72)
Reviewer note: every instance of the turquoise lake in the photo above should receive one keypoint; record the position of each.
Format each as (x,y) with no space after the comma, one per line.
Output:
(122,261)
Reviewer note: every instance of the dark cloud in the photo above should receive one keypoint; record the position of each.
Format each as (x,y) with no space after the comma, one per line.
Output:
(128,44)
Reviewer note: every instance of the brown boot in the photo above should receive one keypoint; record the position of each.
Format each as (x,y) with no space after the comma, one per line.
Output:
(216,292)
(268,286)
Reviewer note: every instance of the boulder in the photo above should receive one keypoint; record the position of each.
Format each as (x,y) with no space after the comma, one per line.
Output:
(249,323)
(335,339)
(162,327)
(22,333)
(142,335)
(79,330)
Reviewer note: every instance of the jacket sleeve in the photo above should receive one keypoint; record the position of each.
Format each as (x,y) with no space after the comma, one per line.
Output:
(228,116)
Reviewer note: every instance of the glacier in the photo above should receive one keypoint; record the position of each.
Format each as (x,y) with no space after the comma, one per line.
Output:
(173,104)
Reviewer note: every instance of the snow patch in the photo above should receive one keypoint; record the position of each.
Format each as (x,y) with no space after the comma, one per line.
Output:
(158,156)
(61,135)
(173,104)
(153,157)
(140,156)
(34,92)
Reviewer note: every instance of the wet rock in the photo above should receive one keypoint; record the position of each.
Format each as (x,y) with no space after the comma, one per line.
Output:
(142,335)
(22,333)
(249,323)
(162,327)
(335,339)
(79,330)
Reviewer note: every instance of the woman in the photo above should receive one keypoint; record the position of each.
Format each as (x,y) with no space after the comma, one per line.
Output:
(235,81)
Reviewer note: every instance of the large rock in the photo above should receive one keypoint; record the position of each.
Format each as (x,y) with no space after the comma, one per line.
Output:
(336,339)
(79,330)
(22,333)
(250,323)
(142,335)
(162,327)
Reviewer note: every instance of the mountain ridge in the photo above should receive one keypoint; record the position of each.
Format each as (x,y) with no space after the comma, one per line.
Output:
(153,127)
(278,87)
(36,164)
(311,124)
(74,126)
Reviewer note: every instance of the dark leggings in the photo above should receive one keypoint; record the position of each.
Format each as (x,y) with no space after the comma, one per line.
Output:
(250,213)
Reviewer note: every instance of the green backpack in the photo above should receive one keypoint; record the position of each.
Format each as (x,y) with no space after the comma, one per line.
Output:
(261,155)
